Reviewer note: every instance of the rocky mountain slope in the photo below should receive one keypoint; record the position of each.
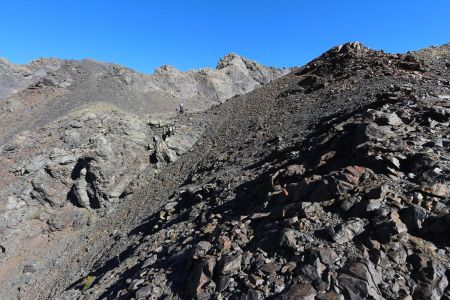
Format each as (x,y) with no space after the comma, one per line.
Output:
(434,55)
(36,94)
(331,182)
(75,137)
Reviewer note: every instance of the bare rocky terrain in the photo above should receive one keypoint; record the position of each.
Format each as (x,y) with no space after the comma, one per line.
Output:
(330,182)
(76,137)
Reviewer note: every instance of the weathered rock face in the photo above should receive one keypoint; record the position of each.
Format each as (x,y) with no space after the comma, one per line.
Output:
(46,89)
(350,203)
(14,78)
(339,191)
(75,137)
(234,75)
(61,178)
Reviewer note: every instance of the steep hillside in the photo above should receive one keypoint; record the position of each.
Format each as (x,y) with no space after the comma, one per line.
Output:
(329,183)
(76,137)
(434,55)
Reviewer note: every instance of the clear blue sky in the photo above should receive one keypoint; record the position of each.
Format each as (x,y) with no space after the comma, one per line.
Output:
(192,34)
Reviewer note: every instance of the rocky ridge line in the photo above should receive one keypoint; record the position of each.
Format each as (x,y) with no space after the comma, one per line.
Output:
(348,204)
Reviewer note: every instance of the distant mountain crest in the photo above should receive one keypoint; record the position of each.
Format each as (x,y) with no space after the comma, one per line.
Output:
(230,59)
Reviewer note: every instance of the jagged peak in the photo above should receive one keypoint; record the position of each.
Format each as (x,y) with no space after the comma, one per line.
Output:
(166,69)
(232,59)
(350,48)
(343,51)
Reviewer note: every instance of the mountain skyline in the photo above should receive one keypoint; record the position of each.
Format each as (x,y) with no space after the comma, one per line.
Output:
(191,35)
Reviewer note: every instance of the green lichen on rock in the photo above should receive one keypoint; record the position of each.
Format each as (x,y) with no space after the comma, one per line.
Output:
(87,282)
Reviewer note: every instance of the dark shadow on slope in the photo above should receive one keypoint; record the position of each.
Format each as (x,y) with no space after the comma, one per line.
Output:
(250,198)
(109,265)
(151,226)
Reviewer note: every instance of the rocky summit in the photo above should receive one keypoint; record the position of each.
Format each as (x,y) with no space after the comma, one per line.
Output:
(326,181)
